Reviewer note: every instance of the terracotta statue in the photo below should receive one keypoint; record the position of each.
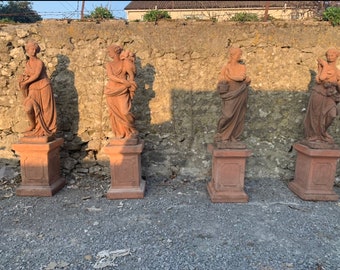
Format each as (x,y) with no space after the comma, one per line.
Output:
(120,90)
(39,101)
(232,86)
(322,106)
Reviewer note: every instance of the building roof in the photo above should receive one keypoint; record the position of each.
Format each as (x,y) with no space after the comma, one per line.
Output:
(147,5)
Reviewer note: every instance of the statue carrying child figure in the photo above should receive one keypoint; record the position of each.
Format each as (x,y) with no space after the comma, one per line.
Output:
(322,106)
(120,91)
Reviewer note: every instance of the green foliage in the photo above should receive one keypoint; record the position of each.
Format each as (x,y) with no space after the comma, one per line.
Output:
(332,14)
(6,20)
(155,15)
(18,11)
(101,13)
(245,17)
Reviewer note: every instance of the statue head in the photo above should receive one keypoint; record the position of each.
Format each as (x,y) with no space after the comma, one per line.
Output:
(332,54)
(115,49)
(235,52)
(31,43)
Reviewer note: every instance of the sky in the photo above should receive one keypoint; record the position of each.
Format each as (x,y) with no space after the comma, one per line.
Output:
(72,9)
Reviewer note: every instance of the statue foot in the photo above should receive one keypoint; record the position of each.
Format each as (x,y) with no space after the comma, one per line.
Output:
(329,138)
(313,139)
(318,144)
(318,139)
(218,138)
(232,139)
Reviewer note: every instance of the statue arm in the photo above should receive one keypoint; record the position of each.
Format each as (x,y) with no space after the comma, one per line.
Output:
(222,76)
(322,62)
(338,79)
(34,75)
(322,65)
(115,78)
(131,72)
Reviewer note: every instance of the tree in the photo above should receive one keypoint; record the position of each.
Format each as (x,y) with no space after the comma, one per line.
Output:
(18,11)
(101,13)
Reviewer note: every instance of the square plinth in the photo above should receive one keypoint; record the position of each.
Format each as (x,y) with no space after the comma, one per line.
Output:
(40,168)
(315,173)
(228,171)
(125,168)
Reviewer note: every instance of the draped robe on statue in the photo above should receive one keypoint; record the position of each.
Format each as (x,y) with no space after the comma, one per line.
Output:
(39,96)
(234,97)
(320,113)
(322,105)
(119,98)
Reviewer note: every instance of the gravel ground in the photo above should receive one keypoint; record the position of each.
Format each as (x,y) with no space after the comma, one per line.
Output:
(175,226)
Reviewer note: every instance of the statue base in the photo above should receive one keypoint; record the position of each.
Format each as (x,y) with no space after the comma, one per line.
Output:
(228,171)
(125,167)
(40,167)
(315,173)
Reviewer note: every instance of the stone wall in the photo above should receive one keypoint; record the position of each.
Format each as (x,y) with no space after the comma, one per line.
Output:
(176,106)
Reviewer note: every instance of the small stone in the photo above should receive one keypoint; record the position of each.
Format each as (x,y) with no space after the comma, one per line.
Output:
(51,266)
(88,257)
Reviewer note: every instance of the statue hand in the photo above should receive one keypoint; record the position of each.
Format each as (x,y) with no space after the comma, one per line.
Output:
(22,86)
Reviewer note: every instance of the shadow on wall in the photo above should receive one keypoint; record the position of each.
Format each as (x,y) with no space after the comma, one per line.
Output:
(178,146)
(141,103)
(170,147)
(141,108)
(63,82)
